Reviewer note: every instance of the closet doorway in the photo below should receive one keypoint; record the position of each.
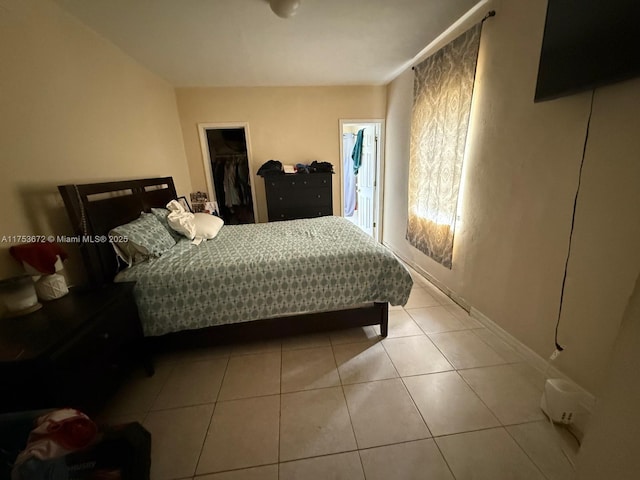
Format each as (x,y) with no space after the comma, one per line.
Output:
(226,155)
(361,147)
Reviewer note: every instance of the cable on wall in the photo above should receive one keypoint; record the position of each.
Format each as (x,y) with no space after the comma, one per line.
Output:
(559,347)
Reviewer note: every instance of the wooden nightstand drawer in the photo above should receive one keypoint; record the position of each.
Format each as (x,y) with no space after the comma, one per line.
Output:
(73,351)
(106,334)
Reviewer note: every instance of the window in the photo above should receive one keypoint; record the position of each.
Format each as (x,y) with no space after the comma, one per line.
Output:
(443,88)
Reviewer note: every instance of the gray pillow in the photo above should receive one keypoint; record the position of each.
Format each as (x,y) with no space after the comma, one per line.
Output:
(141,239)
(161,214)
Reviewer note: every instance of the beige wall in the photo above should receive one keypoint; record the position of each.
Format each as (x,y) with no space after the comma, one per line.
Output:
(610,447)
(74,109)
(290,124)
(521,173)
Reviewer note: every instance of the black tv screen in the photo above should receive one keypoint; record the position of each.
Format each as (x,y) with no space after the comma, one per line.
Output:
(586,44)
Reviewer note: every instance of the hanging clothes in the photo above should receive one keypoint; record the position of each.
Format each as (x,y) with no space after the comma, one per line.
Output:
(243,180)
(231,194)
(348,140)
(357,152)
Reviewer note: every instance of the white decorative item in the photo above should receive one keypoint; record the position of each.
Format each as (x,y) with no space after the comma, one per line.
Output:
(284,8)
(19,295)
(50,287)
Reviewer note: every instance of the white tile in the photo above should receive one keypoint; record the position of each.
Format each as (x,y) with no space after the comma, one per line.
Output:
(363,362)
(465,350)
(137,394)
(402,325)
(506,392)
(314,422)
(268,472)
(259,346)
(462,315)
(501,347)
(354,335)
(487,455)
(383,413)
(544,445)
(448,404)
(420,298)
(192,354)
(343,466)
(251,375)
(532,375)
(243,433)
(177,437)
(435,320)
(415,356)
(310,340)
(416,460)
(309,368)
(439,295)
(192,383)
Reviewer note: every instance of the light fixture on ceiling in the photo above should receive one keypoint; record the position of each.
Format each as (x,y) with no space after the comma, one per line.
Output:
(284,8)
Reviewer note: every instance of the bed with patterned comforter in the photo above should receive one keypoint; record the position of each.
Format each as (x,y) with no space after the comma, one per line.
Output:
(259,271)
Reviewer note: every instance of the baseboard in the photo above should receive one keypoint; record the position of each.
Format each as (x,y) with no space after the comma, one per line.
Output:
(539,363)
(436,283)
(532,358)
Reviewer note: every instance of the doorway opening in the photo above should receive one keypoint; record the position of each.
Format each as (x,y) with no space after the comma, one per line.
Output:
(361,152)
(227,163)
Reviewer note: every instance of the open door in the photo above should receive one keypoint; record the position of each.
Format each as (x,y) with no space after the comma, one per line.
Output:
(361,178)
(226,155)
(366,180)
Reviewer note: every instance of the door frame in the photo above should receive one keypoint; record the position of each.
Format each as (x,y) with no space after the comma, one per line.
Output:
(379,194)
(206,157)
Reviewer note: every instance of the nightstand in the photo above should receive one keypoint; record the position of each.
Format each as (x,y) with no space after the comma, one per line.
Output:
(72,352)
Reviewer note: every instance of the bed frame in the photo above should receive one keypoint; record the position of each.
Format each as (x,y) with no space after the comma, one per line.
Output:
(95,208)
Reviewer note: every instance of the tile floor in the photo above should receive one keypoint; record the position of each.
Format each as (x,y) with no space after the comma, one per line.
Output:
(440,398)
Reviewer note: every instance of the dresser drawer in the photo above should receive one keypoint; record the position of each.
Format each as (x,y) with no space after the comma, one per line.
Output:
(297,182)
(294,213)
(303,197)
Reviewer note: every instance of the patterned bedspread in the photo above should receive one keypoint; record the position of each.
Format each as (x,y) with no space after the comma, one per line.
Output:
(264,270)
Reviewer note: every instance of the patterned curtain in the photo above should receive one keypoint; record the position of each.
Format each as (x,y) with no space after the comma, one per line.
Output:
(442,91)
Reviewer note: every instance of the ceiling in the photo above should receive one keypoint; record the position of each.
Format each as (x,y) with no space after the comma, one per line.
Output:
(243,43)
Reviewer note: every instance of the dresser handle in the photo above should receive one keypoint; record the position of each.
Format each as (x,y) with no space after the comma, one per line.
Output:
(105,336)
(280,198)
(319,195)
(293,183)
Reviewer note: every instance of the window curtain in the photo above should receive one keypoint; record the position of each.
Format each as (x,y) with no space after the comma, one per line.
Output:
(442,91)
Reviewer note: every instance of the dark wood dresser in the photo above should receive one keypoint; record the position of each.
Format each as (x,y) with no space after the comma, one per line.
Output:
(293,196)
(73,351)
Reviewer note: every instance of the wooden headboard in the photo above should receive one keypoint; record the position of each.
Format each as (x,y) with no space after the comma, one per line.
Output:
(95,208)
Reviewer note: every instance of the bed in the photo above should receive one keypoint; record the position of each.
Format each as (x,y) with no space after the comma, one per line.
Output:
(251,281)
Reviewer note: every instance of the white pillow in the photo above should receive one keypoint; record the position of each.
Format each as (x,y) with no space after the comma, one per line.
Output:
(207,226)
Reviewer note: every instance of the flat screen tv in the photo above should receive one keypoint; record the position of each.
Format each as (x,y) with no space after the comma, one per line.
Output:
(586,44)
